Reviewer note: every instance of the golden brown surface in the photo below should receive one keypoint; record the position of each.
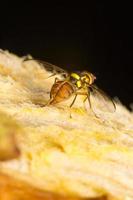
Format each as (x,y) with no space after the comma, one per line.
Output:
(12,189)
(82,156)
(8,144)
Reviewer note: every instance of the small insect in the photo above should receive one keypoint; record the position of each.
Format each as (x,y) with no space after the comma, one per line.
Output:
(74,84)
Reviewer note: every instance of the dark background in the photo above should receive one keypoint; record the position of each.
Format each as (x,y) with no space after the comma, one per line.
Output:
(97,37)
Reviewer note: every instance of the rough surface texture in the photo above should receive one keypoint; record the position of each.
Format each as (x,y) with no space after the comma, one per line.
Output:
(8,143)
(82,156)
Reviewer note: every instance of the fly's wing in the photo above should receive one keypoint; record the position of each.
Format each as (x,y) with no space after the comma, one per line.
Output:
(100,101)
(53,70)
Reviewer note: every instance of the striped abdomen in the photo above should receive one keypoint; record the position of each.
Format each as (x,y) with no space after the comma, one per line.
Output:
(61,91)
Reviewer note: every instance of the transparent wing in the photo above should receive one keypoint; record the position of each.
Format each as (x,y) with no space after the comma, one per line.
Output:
(100,101)
(53,69)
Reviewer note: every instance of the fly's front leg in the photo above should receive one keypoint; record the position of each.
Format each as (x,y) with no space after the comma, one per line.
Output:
(88,97)
(84,94)
(84,102)
(76,94)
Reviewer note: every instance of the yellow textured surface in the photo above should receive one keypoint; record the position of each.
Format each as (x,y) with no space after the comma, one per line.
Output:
(82,156)
(8,144)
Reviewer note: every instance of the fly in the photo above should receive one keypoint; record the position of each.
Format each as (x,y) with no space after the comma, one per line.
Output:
(74,84)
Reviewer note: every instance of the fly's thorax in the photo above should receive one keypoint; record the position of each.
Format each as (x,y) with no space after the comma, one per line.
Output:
(75,79)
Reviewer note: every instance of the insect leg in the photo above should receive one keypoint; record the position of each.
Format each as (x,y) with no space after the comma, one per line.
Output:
(84,102)
(73,100)
(87,94)
(72,104)
(88,97)
(76,94)
(56,79)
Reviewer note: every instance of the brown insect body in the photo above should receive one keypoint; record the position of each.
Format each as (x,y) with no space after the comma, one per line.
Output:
(60,91)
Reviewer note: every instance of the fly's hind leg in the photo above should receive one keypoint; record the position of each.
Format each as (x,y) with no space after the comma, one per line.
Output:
(72,104)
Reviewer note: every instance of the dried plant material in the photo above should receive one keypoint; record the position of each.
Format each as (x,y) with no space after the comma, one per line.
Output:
(19,190)
(80,156)
(8,142)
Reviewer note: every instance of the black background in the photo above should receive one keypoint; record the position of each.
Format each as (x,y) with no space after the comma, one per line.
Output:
(97,37)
